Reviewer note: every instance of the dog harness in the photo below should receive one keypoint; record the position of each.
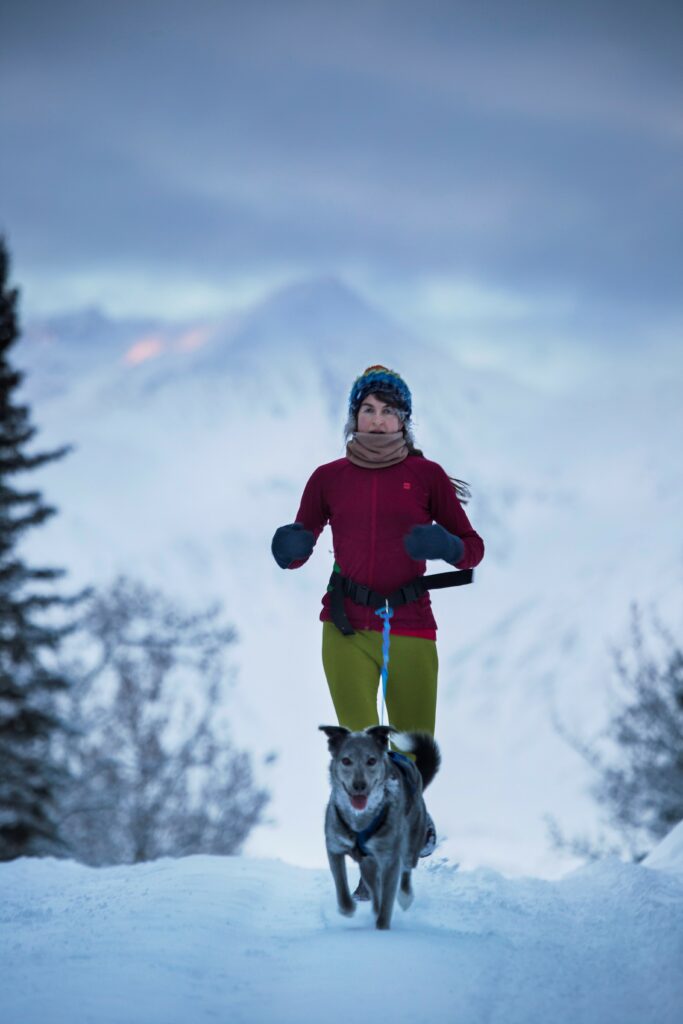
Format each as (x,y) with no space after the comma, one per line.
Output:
(365,834)
(360,849)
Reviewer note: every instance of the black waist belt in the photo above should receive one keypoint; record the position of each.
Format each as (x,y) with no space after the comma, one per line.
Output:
(341,586)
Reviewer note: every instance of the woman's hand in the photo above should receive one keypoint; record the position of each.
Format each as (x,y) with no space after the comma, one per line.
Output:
(433,542)
(291,543)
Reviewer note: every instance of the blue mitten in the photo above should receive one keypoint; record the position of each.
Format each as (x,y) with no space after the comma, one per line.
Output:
(433,542)
(290,543)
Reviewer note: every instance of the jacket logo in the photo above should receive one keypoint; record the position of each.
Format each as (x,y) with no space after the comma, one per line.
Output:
(406,485)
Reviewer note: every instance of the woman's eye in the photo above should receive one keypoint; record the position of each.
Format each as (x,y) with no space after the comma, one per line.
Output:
(346,760)
(372,760)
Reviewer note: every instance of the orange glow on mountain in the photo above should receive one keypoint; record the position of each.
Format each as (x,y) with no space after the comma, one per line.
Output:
(193,339)
(148,347)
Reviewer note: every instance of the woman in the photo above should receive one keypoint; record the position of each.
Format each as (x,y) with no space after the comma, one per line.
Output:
(390,509)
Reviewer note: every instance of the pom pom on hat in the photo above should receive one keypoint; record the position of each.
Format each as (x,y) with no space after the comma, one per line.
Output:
(380,378)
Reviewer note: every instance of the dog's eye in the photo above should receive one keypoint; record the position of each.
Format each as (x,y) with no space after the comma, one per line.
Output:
(372,760)
(346,760)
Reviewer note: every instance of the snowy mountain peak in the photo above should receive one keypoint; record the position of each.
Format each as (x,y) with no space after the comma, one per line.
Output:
(325,298)
(322,315)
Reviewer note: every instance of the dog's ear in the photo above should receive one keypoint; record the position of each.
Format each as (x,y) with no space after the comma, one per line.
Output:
(381,734)
(335,734)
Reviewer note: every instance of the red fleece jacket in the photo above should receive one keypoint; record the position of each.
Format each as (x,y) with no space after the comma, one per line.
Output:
(370,511)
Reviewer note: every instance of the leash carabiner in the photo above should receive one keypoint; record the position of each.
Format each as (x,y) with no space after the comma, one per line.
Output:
(385,615)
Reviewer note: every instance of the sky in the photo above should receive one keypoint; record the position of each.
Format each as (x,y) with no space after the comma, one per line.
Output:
(503,177)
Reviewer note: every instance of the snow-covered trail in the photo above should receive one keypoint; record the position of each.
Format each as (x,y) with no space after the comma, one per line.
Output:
(243,940)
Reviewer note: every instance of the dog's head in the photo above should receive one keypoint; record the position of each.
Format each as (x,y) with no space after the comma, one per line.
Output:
(359,763)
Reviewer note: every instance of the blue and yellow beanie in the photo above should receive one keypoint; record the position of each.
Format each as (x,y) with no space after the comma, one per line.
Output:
(390,383)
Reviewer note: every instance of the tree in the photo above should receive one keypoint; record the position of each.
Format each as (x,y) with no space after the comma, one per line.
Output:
(29,641)
(155,772)
(638,760)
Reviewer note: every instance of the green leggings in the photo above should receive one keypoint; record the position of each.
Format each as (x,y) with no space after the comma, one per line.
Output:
(352,665)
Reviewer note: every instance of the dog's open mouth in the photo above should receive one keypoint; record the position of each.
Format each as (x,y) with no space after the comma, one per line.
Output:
(359,802)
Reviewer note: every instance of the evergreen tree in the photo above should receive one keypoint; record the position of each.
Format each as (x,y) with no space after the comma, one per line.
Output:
(29,777)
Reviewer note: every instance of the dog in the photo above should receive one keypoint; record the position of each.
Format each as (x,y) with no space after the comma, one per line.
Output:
(376,813)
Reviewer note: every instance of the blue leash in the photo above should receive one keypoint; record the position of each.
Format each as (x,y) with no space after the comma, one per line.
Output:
(385,615)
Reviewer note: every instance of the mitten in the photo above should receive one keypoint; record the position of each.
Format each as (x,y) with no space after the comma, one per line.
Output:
(433,542)
(291,543)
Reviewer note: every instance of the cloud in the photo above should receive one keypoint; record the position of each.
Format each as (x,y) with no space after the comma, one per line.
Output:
(530,149)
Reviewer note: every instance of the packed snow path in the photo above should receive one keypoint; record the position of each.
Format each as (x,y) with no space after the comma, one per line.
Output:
(239,940)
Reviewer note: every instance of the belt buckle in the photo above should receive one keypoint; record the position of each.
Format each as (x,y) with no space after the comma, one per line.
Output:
(362,594)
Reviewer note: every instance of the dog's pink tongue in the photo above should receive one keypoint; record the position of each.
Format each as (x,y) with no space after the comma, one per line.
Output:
(359,802)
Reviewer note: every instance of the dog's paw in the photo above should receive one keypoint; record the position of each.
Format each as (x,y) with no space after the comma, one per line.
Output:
(347,909)
(404,898)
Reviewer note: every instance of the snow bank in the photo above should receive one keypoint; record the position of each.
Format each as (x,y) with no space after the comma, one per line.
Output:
(668,856)
(240,940)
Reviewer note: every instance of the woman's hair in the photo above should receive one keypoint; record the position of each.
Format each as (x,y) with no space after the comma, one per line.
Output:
(462,488)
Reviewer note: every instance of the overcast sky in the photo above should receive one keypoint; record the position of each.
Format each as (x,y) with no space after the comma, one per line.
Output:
(463,164)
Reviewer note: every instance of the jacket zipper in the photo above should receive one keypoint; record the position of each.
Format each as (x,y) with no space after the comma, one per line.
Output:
(373,533)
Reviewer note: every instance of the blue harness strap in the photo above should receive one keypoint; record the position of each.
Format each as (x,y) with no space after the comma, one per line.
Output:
(367,833)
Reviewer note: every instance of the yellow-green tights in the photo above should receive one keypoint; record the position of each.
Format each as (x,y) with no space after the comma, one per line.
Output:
(352,666)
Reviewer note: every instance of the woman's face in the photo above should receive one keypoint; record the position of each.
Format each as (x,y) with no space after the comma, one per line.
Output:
(376,417)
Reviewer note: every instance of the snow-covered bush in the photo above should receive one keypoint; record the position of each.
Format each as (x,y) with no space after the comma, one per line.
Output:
(155,772)
(638,759)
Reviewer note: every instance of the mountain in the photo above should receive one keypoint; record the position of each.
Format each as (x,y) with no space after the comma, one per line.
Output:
(322,317)
(194,441)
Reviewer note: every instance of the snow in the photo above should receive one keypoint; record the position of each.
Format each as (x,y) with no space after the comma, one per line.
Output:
(668,855)
(253,940)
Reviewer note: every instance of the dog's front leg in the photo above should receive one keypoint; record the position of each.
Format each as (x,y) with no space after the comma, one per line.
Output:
(345,903)
(372,878)
(389,886)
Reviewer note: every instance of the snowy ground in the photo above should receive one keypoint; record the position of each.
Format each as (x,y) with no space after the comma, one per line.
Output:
(242,940)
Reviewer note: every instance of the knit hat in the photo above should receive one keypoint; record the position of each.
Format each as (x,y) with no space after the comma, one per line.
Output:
(388,382)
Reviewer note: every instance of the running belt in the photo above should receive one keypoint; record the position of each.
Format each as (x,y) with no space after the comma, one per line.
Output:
(340,587)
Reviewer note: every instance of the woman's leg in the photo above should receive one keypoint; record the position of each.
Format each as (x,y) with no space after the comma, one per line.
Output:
(412,683)
(352,666)
(352,671)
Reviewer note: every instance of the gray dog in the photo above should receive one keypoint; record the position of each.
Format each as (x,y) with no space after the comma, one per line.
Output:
(376,813)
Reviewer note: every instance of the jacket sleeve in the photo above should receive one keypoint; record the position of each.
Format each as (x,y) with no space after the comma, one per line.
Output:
(313,511)
(448,512)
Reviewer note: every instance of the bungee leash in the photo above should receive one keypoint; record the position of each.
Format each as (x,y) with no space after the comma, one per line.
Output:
(385,615)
